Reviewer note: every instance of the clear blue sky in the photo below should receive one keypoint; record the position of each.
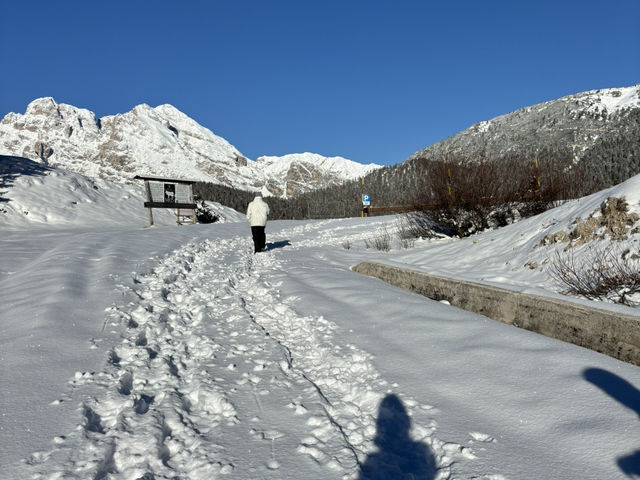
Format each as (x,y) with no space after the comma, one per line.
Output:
(373,81)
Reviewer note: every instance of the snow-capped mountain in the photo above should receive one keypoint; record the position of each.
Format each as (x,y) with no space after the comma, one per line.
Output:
(577,125)
(124,346)
(299,172)
(157,141)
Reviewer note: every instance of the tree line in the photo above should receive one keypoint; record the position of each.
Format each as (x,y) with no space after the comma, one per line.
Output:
(464,192)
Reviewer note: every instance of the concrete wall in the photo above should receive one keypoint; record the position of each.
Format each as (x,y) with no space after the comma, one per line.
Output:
(611,333)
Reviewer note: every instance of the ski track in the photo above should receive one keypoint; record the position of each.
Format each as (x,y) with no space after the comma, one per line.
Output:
(208,348)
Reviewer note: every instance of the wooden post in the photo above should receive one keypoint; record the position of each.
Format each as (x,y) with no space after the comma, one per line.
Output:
(147,189)
(193,212)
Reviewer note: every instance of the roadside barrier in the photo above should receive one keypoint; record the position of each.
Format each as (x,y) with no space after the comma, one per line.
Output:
(607,332)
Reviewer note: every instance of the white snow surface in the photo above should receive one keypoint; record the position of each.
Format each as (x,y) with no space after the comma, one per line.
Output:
(612,100)
(174,352)
(32,196)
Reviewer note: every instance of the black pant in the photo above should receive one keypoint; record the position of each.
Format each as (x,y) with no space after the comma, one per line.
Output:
(259,238)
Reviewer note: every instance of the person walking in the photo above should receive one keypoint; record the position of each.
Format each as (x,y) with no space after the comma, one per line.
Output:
(257,213)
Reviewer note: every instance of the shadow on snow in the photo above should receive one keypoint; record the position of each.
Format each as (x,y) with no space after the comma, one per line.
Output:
(627,395)
(398,456)
(13,167)
(274,245)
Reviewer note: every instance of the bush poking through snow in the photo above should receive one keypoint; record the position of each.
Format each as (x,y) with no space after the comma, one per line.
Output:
(380,241)
(603,274)
(414,225)
(204,214)
(407,243)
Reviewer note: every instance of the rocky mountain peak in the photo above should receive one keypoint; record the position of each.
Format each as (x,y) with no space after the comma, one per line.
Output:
(159,141)
(42,106)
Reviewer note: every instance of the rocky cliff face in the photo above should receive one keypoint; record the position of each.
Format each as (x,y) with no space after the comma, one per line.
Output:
(156,141)
(300,172)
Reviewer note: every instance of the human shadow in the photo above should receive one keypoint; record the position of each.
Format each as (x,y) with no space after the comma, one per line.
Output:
(398,456)
(627,395)
(13,167)
(274,245)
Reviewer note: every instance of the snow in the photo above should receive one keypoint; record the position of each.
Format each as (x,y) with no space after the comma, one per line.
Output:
(613,100)
(483,127)
(174,352)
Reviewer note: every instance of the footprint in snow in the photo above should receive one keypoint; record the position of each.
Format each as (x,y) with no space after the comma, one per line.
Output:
(482,437)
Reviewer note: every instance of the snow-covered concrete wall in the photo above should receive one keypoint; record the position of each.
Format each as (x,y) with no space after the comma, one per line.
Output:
(609,332)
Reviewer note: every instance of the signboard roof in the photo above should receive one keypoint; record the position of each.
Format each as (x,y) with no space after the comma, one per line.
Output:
(153,178)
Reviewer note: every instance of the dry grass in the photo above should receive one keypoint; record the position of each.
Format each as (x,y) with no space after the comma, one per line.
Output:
(603,273)
(380,241)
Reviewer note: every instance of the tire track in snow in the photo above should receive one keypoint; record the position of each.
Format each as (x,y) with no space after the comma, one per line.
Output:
(181,395)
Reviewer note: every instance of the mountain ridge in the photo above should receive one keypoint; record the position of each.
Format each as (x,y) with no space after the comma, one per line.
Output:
(159,141)
(594,134)
(577,121)
(598,129)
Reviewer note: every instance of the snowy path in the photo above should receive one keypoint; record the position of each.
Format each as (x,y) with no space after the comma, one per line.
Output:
(217,376)
(210,362)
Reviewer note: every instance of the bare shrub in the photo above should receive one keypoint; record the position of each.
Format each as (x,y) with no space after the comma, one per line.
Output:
(604,273)
(380,241)
(468,195)
(414,225)
(406,242)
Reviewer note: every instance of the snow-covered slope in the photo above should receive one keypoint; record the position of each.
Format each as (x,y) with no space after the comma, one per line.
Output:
(520,256)
(32,195)
(155,141)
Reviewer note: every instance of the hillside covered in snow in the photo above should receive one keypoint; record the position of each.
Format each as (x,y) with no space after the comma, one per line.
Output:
(35,196)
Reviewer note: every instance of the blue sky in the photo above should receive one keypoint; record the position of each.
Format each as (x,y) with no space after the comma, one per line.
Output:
(373,81)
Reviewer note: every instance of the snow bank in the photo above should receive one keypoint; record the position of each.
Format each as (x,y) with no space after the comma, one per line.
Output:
(515,256)
(33,195)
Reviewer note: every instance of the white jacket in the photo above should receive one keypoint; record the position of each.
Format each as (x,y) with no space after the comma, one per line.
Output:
(257,212)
